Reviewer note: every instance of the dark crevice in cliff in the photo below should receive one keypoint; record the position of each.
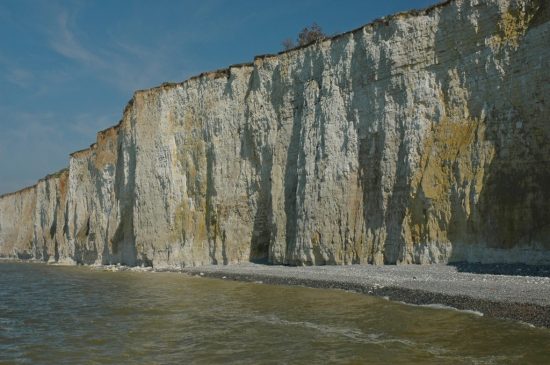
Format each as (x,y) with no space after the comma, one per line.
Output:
(293,156)
(260,158)
(123,242)
(212,219)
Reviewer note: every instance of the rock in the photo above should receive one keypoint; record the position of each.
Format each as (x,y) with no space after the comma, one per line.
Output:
(419,138)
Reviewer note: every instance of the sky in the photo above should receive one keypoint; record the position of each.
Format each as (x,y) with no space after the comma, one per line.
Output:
(68,68)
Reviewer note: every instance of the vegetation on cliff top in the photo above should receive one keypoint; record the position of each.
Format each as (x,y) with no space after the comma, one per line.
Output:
(307,35)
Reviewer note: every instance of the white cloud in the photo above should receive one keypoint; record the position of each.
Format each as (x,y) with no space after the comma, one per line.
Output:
(64,41)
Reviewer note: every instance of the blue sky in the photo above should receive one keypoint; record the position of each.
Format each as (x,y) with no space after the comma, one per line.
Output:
(67,68)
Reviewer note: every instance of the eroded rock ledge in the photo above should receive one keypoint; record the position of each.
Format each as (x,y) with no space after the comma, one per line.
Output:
(419,138)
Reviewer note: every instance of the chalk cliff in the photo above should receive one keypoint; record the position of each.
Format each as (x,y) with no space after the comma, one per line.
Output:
(422,137)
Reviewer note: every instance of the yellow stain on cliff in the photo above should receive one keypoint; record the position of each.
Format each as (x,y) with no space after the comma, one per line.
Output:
(446,167)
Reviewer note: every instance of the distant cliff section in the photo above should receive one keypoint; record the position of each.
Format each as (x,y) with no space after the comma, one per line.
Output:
(423,137)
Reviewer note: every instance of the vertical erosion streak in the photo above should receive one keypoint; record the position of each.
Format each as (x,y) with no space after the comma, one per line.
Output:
(256,150)
(123,242)
(291,186)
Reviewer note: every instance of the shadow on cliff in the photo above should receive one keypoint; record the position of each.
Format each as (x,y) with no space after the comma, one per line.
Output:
(261,159)
(308,80)
(512,208)
(383,211)
(291,176)
(123,242)
(260,155)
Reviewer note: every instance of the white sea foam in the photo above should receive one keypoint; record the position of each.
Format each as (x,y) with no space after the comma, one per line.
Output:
(446,307)
(353,334)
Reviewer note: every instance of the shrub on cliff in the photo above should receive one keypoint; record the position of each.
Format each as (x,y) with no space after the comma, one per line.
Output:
(307,35)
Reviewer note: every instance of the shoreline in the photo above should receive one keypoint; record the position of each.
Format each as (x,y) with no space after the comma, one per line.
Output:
(519,298)
(505,295)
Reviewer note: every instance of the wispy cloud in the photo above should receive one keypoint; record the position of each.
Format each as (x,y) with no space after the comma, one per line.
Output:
(64,41)
(66,83)
(124,60)
(120,62)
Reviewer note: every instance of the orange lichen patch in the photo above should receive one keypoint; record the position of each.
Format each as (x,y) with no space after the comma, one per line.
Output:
(63,180)
(139,98)
(109,130)
(106,150)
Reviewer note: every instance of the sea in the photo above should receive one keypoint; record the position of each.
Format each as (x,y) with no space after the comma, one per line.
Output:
(82,315)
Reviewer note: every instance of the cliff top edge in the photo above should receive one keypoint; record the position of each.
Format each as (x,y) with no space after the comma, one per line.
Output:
(225,72)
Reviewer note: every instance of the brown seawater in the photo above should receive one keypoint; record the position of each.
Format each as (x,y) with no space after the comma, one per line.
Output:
(75,315)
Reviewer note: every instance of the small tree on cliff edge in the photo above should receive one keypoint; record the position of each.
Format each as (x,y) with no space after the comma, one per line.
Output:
(307,35)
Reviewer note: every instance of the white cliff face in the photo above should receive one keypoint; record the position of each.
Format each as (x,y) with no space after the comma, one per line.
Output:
(16,235)
(48,239)
(419,138)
